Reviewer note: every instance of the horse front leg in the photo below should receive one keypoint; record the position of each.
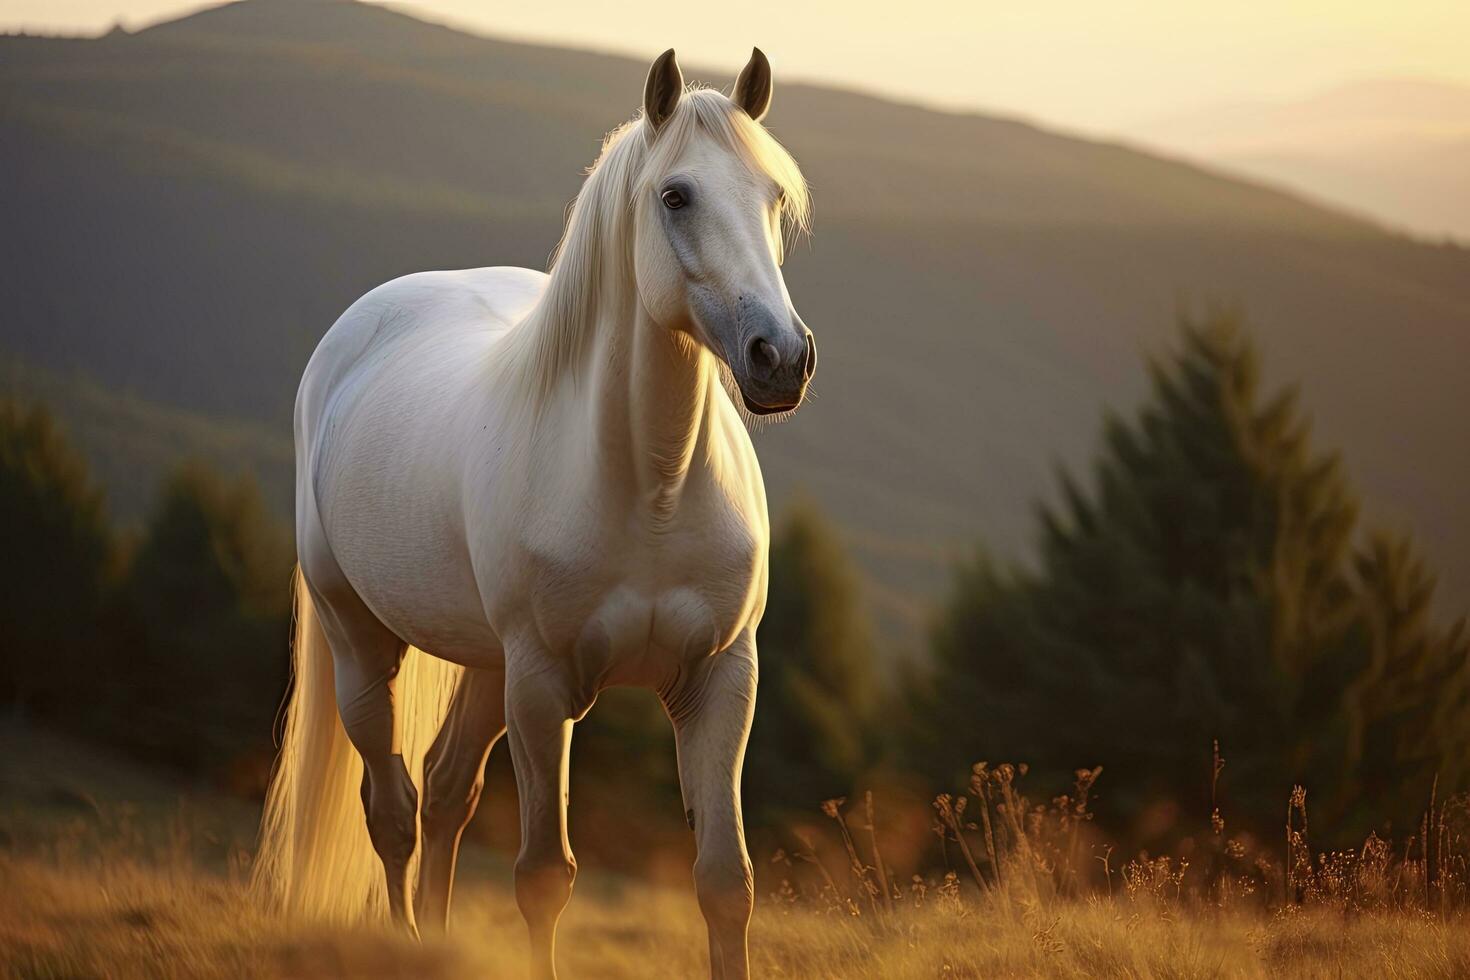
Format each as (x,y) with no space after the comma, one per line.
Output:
(539,709)
(712,711)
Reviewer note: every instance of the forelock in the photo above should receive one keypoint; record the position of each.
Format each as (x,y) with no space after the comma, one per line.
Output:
(708,114)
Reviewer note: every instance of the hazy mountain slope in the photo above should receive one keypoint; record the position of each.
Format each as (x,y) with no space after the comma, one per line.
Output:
(132,445)
(192,206)
(1397,149)
(1422,185)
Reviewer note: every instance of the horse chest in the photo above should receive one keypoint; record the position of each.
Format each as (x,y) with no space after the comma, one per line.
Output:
(640,601)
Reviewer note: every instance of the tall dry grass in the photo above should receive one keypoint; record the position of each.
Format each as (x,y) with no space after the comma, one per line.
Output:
(127,919)
(106,889)
(1003,848)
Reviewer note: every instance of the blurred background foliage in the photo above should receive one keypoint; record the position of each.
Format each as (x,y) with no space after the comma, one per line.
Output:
(164,642)
(1209,579)
(57,573)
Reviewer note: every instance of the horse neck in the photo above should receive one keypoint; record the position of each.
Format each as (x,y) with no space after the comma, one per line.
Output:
(652,397)
(645,395)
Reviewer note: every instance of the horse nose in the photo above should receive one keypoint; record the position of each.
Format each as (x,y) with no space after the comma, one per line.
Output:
(765,359)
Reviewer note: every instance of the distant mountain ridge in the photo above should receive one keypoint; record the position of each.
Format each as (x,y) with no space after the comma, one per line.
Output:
(191,206)
(1396,148)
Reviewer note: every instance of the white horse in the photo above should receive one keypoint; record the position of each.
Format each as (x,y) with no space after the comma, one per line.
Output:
(514,490)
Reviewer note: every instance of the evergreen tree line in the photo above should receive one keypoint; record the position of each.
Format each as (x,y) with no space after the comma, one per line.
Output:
(168,643)
(1211,579)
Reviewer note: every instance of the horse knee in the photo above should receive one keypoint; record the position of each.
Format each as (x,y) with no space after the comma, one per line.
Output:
(394,837)
(448,805)
(544,884)
(392,809)
(725,886)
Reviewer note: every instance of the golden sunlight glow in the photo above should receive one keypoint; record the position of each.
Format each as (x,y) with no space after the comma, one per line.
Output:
(1076,63)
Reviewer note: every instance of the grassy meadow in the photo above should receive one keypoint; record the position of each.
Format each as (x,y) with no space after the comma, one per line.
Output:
(109,871)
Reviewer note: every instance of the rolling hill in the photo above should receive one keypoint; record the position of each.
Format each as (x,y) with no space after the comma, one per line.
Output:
(1395,148)
(186,209)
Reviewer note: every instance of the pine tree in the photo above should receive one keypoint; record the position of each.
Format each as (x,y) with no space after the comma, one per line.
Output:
(208,595)
(57,550)
(812,736)
(1408,712)
(1203,586)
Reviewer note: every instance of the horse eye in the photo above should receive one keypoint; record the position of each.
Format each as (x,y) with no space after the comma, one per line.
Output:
(673,198)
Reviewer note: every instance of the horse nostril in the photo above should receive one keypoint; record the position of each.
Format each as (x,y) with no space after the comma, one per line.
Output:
(809,366)
(764,357)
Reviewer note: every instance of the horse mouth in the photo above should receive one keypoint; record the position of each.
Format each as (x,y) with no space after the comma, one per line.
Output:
(756,408)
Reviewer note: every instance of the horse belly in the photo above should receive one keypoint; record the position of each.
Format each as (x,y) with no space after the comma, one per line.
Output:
(409,573)
(388,501)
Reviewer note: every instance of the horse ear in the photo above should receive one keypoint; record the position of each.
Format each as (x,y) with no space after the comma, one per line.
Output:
(662,90)
(753,87)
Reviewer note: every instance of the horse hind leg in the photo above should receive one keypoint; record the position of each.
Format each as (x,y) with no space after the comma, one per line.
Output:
(454,775)
(366,657)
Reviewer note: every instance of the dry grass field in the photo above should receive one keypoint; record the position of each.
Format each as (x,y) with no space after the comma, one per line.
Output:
(119,918)
(118,880)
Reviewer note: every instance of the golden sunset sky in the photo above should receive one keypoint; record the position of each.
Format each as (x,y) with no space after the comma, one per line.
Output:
(1088,66)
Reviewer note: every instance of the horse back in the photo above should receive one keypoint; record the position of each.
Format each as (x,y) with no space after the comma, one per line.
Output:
(379,451)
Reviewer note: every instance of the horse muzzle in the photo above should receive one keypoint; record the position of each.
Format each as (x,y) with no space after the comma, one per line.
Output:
(778,363)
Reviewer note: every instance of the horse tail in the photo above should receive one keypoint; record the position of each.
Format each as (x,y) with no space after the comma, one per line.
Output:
(315,857)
